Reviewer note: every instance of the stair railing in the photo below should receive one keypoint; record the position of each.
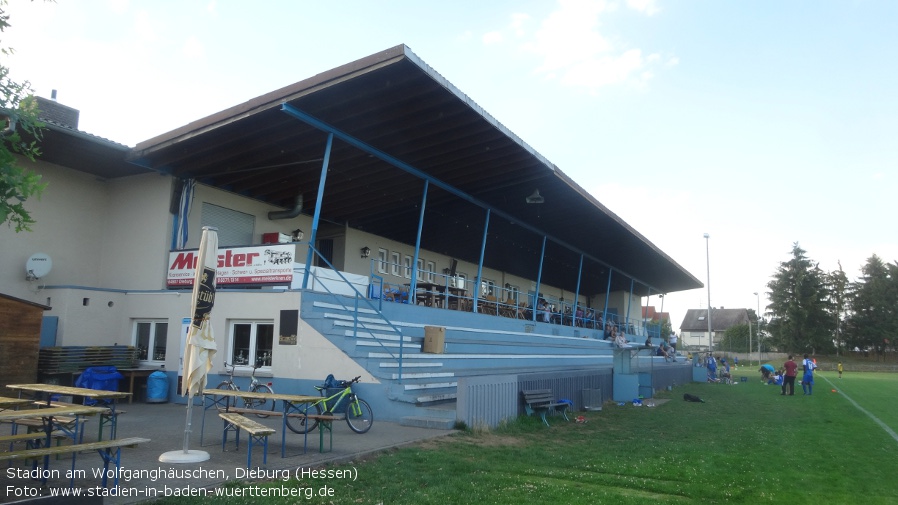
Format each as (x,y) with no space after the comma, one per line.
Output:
(355,312)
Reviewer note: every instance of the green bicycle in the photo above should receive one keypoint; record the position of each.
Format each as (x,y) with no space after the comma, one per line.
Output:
(357,412)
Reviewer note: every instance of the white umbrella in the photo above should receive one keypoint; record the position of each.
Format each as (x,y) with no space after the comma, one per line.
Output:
(200,347)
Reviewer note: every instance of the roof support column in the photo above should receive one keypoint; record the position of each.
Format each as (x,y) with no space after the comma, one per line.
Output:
(607,295)
(486,227)
(629,302)
(644,311)
(413,287)
(317,217)
(539,277)
(577,293)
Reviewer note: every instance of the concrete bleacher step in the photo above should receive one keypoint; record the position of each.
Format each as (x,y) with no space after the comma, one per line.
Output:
(427,422)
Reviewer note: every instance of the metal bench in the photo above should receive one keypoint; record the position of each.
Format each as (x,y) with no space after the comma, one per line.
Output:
(542,402)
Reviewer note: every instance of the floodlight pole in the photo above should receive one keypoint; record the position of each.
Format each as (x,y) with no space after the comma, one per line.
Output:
(708,261)
(758,298)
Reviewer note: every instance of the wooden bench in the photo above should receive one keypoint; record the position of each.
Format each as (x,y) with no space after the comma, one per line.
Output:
(31,437)
(69,427)
(109,417)
(109,450)
(325,423)
(256,432)
(543,402)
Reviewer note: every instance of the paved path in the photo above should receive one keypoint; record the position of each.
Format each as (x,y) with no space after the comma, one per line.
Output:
(164,425)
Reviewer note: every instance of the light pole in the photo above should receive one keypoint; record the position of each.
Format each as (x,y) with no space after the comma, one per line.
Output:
(708,261)
(749,342)
(758,298)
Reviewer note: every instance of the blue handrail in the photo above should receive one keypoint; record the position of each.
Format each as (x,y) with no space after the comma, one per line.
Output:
(359,296)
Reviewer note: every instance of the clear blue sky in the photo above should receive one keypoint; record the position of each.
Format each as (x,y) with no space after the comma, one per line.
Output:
(762,123)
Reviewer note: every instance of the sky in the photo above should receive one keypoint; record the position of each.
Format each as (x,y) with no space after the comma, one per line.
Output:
(761,123)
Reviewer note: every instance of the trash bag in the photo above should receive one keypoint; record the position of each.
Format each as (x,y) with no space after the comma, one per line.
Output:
(157,387)
(101,378)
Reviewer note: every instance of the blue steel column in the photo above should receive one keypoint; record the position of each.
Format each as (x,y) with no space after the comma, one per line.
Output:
(317,216)
(629,302)
(413,287)
(577,293)
(486,227)
(539,277)
(607,295)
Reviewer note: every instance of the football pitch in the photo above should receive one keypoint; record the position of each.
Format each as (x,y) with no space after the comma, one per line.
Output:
(745,444)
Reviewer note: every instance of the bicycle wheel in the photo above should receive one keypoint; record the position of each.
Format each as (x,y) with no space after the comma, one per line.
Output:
(220,401)
(299,424)
(359,416)
(260,403)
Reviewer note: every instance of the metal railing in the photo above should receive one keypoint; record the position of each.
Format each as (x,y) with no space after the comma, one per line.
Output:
(357,321)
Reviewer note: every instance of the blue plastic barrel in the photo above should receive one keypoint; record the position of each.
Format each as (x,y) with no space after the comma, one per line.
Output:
(157,387)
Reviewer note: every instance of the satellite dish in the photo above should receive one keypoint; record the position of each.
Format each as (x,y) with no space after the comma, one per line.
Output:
(38,266)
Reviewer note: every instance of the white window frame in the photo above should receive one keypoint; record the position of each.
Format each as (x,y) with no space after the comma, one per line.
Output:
(382,255)
(513,293)
(246,359)
(487,287)
(407,267)
(421,274)
(431,266)
(150,356)
(395,260)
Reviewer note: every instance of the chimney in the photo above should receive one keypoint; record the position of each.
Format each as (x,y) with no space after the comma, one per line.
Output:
(54,112)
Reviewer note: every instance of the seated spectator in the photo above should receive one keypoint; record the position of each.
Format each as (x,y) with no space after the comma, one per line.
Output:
(542,307)
(579,317)
(648,341)
(620,340)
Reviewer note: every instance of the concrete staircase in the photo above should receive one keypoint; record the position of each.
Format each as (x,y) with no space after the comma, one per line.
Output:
(476,344)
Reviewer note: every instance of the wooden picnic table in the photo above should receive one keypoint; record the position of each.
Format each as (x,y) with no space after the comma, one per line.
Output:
(50,415)
(108,399)
(11,403)
(293,405)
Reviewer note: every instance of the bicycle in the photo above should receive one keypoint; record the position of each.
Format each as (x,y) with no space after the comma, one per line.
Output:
(254,386)
(357,412)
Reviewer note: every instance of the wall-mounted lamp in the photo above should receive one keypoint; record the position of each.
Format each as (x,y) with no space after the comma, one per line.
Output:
(297,235)
(535,197)
(366,251)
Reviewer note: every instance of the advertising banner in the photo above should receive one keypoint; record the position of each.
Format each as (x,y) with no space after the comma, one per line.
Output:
(237,266)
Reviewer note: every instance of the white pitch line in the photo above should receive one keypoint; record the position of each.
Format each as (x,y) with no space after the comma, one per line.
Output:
(883,425)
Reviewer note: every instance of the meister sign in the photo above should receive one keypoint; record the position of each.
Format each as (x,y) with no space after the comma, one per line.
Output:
(254,265)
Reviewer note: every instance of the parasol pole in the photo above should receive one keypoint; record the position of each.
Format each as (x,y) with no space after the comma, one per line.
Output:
(200,342)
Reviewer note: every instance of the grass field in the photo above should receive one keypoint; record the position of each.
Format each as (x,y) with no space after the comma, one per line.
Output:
(745,444)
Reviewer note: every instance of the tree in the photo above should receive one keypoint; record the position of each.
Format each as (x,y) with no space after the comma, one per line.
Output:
(837,283)
(735,339)
(873,323)
(800,320)
(21,135)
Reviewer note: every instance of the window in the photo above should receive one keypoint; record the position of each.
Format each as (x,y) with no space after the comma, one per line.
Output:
(421,274)
(431,266)
(459,281)
(251,343)
(382,261)
(150,338)
(514,293)
(394,263)
(487,287)
(407,267)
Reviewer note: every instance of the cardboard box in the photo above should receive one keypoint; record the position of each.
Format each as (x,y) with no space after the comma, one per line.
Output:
(434,339)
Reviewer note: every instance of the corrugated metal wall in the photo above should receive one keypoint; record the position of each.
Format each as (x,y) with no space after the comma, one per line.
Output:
(486,401)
